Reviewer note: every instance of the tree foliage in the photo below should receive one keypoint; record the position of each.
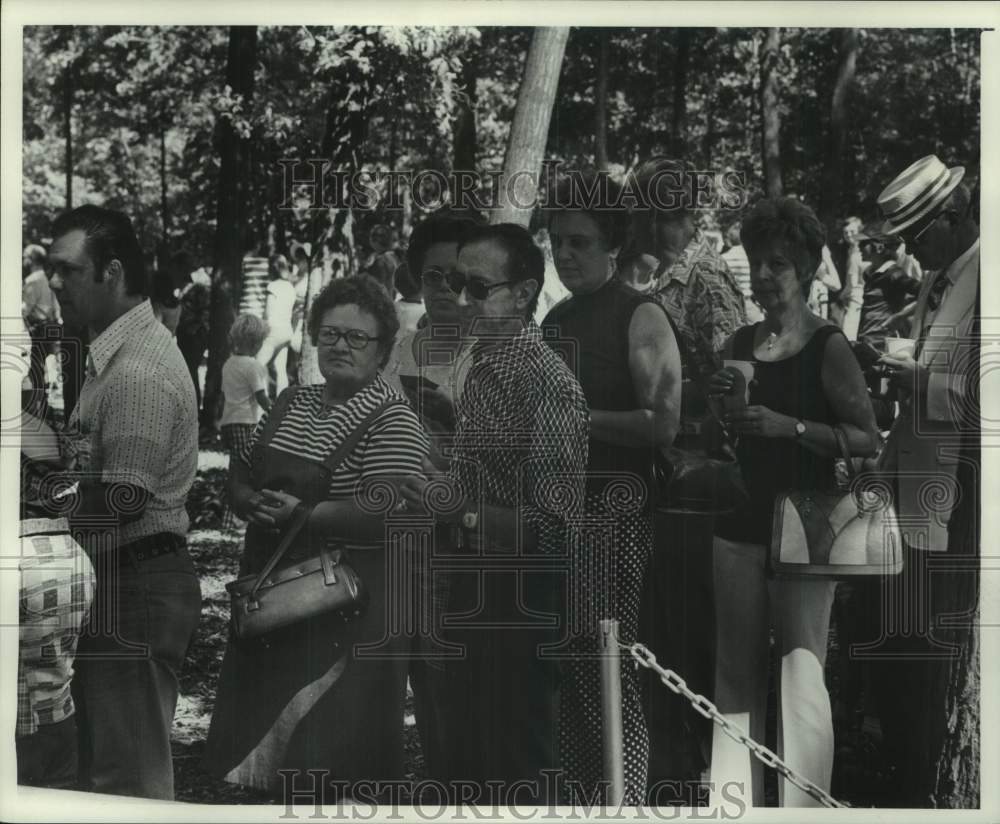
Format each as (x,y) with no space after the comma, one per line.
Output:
(371,97)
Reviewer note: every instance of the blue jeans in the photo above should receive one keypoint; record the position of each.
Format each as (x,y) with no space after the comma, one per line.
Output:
(125,688)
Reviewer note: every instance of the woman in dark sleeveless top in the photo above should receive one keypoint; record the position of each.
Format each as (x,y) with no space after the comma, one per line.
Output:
(805,381)
(621,348)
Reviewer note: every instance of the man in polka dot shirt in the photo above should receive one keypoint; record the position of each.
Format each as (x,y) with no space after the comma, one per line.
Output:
(134,436)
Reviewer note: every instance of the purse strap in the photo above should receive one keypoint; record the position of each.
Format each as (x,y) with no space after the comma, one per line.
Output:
(274,419)
(300,515)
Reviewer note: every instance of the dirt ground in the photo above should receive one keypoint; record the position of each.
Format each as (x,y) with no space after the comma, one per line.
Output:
(859,771)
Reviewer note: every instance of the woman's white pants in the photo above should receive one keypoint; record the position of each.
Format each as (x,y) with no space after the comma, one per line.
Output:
(747,605)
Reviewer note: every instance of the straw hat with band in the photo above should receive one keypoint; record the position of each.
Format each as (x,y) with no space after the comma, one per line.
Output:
(916,192)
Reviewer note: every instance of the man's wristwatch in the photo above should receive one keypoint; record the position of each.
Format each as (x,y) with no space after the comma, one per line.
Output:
(800,429)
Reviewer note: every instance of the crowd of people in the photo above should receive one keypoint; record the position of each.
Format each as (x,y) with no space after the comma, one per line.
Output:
(498,481)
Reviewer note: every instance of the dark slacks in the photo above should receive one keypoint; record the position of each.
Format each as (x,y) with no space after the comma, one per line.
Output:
(502,723)
(430,706)
(678,625)
(125,688)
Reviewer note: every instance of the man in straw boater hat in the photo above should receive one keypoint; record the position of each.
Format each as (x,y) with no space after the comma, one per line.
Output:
(931,454)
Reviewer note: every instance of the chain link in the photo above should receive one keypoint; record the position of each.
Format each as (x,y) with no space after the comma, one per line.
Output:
(643,657)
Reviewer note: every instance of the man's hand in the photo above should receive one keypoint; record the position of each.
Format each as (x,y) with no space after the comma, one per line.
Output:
(414,488)
(906,373)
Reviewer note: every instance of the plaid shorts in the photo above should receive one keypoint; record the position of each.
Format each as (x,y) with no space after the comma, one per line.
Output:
(236,436)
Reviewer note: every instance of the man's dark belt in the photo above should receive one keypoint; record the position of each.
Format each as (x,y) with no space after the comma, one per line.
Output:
(152,546)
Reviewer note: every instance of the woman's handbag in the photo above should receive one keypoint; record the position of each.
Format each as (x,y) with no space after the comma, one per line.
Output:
(695,483)
(277,597)
(837,534)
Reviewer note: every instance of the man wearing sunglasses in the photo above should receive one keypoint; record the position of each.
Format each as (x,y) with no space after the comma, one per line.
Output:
(515,486)
(932,453)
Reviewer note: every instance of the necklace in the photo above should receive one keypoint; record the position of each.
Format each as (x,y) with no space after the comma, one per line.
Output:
(774,337)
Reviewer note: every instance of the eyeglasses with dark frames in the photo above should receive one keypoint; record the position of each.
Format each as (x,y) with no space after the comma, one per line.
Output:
(476,288)
(356,339)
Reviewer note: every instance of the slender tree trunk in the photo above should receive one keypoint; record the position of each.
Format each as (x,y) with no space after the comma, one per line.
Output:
(682,58)
(771,118)
(232,217)
(68,130)
(530,130)
(464,131)
(164,215)
(601,102)
(831,202)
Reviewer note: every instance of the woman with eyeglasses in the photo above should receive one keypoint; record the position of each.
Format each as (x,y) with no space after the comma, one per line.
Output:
(624,353)
(425,362)
(300,699)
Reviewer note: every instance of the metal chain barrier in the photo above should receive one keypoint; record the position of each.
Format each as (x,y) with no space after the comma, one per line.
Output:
(643,657)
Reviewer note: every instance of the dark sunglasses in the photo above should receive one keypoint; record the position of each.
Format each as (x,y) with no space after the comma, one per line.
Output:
(434,278)
(476,288)
(913,240)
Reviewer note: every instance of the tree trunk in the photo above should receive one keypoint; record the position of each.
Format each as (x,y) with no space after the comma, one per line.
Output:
(68,130)
(530,130)
(464,131)
(601,103)
(164,216)
(955,768)
(771,131)
(833,187)
(232,217)
(682,58)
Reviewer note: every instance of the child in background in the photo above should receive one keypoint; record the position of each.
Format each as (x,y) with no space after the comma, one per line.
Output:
(410,306)
(244,383)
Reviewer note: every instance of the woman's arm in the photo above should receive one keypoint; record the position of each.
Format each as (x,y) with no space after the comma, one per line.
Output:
(845,391)
(655,367)
(346,520)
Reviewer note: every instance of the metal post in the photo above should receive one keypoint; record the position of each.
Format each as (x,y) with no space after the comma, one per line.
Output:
(611,711)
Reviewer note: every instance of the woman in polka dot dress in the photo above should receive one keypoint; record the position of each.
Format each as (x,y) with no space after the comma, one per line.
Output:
(622,348)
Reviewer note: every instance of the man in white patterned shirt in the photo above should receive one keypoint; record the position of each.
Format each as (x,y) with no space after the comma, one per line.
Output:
(135,433)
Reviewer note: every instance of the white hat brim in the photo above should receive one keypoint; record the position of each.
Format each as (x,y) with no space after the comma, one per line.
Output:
(955,176)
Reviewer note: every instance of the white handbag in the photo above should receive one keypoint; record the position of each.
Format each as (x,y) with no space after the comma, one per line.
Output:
(837,534)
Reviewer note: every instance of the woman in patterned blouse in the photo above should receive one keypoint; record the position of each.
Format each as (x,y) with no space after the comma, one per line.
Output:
(304,699)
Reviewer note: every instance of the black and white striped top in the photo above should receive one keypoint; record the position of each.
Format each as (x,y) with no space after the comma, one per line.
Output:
(395,443)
